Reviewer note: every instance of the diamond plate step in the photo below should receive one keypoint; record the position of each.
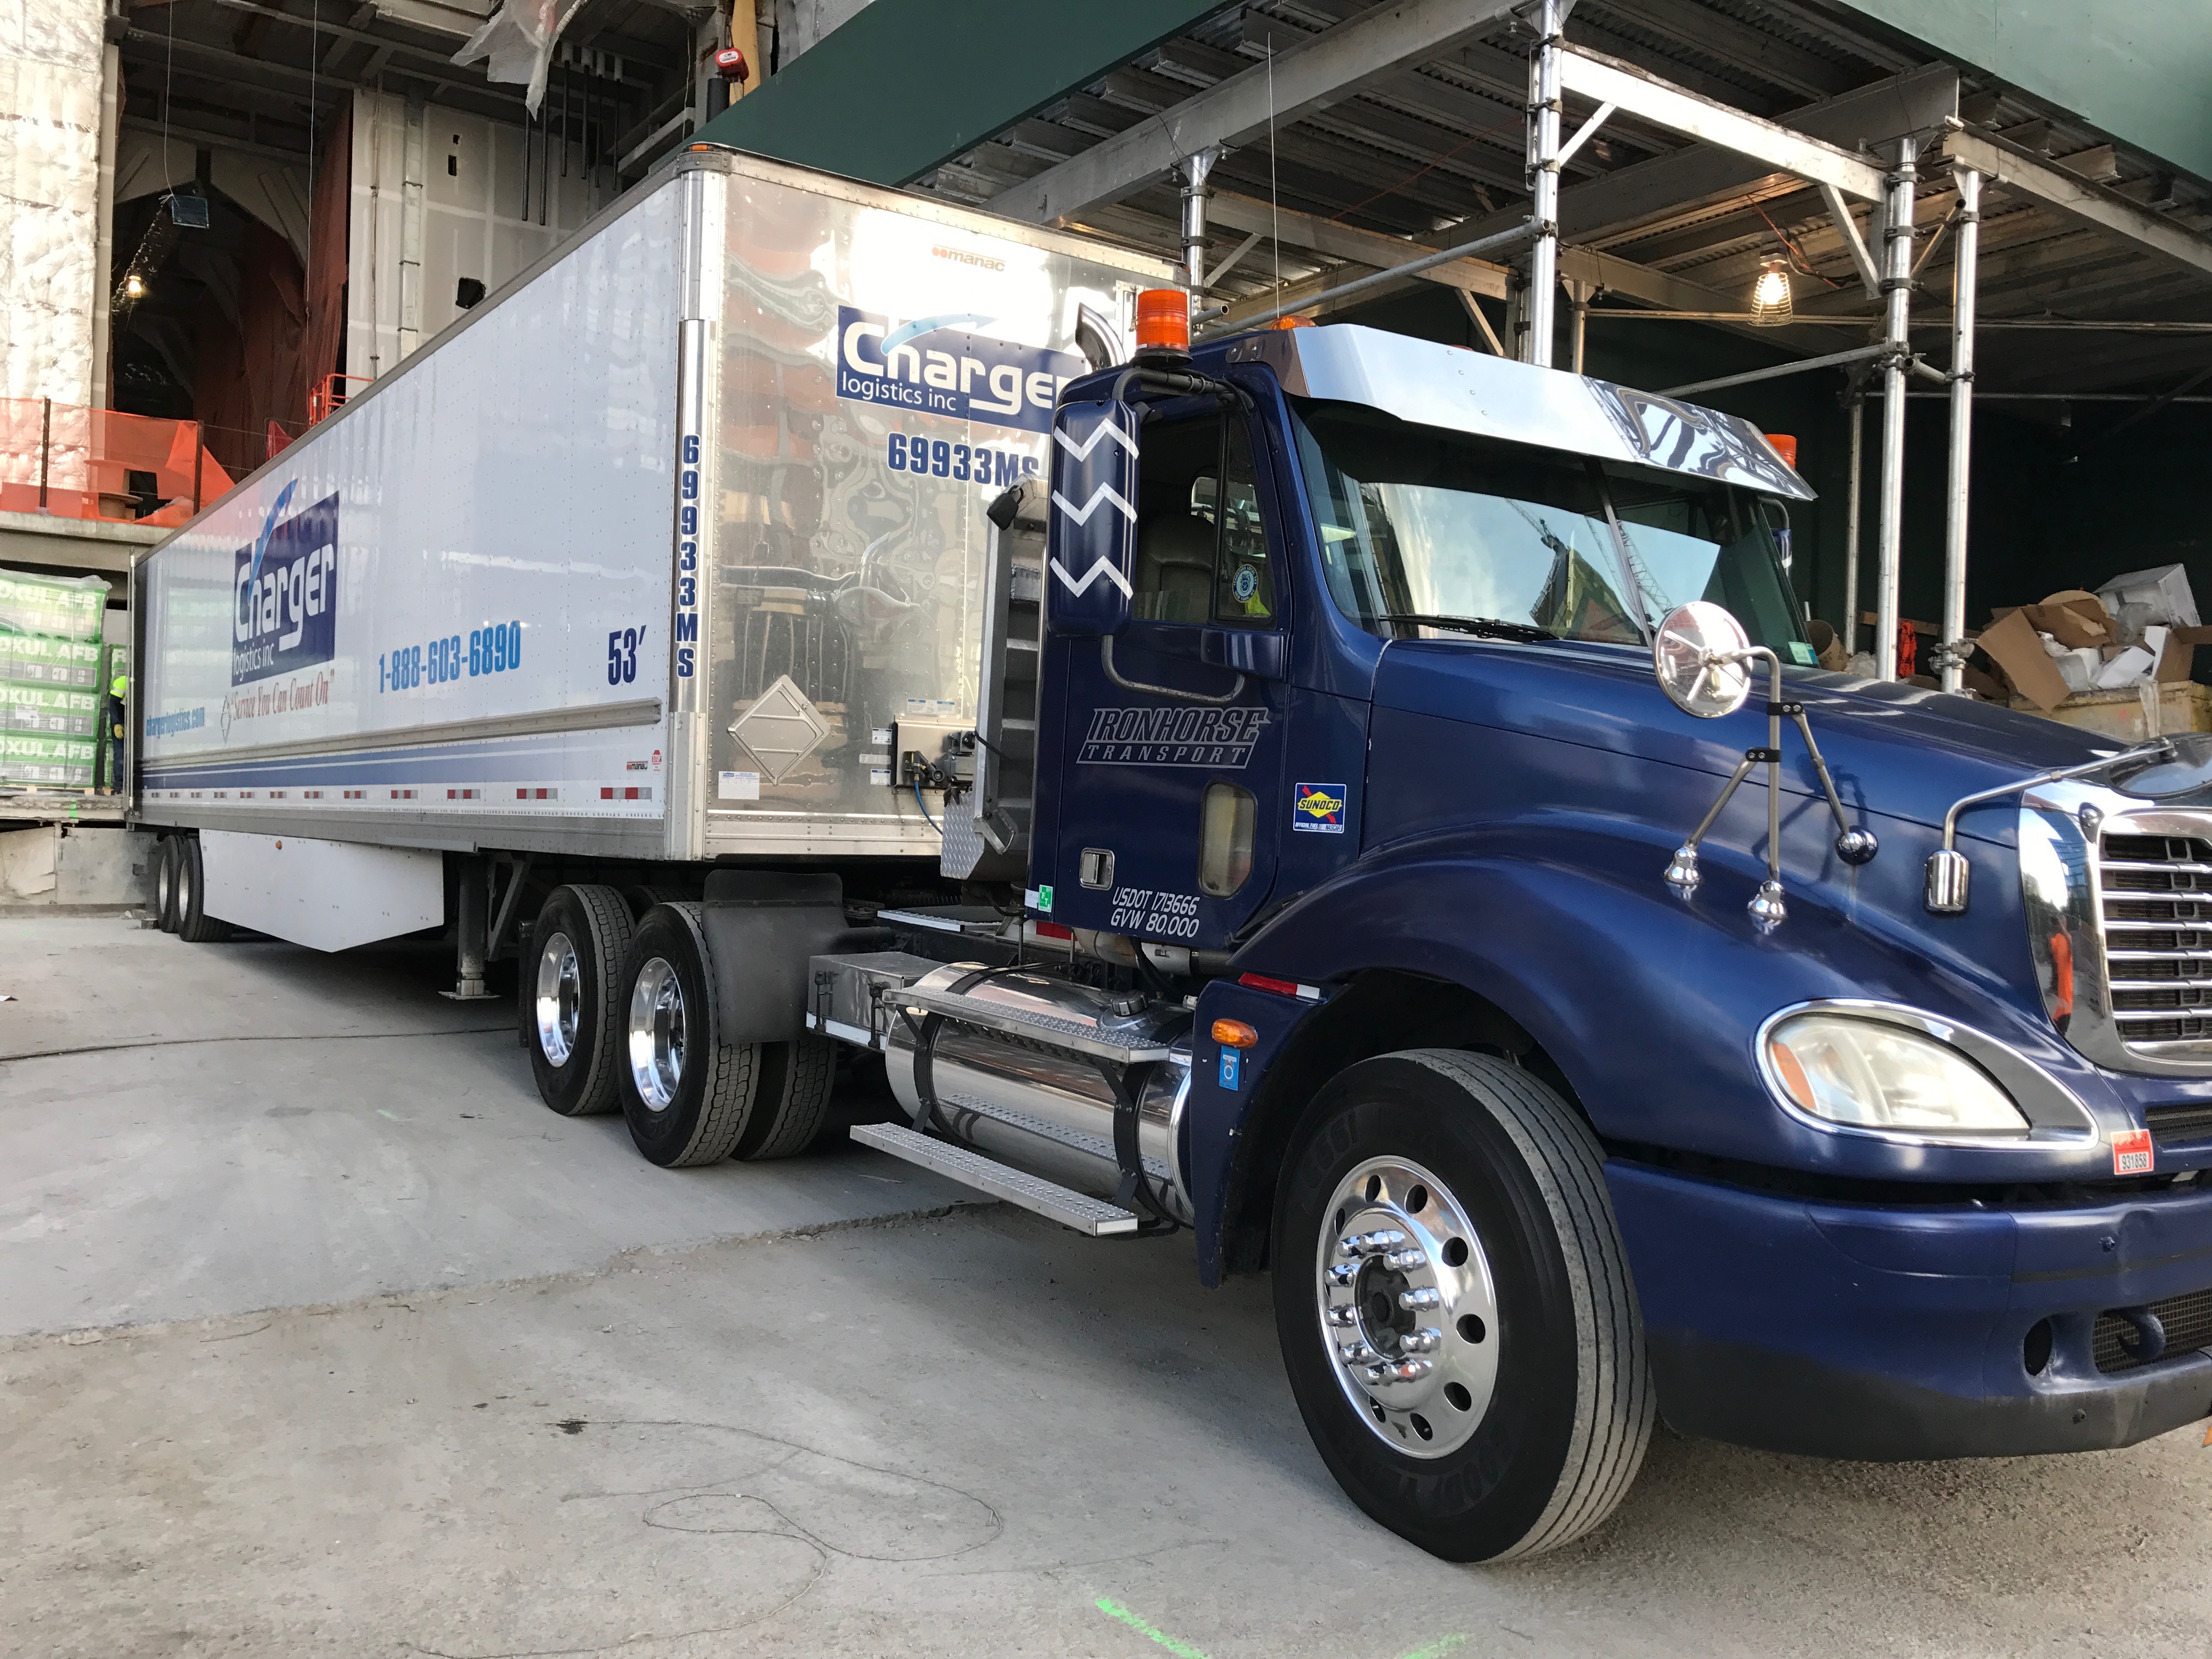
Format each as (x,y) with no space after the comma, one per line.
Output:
(1106,1043)
(1079,1210)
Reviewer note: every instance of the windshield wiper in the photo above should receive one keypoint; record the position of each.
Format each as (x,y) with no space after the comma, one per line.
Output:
(1486,626)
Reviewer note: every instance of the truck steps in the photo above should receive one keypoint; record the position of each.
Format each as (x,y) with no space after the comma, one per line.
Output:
(1100,1042)
(1079,1210)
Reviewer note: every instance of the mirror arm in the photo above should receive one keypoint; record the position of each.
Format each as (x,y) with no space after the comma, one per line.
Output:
(1106,661)
(1853,846)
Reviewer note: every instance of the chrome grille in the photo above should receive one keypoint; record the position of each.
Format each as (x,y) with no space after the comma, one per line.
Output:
(2157,900)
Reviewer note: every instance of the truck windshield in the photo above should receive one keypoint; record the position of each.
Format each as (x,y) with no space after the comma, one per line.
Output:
(1418,522)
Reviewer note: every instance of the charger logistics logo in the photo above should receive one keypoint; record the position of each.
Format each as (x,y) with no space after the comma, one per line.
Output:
(284,592)
(1318,807)
(935,366)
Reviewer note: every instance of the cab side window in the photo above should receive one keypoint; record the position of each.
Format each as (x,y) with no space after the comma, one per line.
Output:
(1201,551)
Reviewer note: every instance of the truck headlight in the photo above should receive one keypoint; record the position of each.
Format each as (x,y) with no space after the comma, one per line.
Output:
(1873,1075)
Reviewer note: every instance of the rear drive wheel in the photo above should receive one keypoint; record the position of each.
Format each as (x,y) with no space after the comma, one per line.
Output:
(165,881)
(793,1099)
(688,1099)
(571,981)
(194,925)
(1455,1308)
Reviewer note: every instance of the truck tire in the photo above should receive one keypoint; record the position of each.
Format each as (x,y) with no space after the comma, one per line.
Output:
(1454,1307)
(571,983)
(194,925)
(793,1099)
(165,882)
(687,1096)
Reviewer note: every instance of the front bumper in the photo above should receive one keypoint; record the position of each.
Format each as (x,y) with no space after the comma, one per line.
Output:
(1867,1331)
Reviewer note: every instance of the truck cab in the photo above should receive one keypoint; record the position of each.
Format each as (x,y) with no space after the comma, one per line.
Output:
(1559,1081)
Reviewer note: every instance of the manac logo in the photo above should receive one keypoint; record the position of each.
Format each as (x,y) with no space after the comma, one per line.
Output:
(939,366)
(284,591)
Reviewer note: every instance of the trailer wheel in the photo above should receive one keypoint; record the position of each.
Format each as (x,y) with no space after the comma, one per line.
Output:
(793,1097)
(687,1096)
(165,882)
(1454,1307)
(194,925)
(571,984)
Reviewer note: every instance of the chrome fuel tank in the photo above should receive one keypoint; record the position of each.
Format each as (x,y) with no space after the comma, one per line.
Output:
(1046,1110)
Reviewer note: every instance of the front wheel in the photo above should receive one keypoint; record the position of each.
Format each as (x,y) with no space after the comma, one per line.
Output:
(1455,1309)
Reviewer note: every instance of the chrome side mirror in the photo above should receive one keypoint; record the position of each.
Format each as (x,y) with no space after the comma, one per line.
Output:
(1703,659)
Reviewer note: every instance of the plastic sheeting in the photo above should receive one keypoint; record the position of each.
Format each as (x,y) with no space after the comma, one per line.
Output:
(517,41)
(50,76)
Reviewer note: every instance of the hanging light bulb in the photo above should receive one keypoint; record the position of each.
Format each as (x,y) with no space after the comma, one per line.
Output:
(135,286)
(1772,303)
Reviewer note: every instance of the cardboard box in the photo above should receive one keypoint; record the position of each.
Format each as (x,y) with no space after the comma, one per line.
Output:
(2175,662)
(2014,645)
(2077,618)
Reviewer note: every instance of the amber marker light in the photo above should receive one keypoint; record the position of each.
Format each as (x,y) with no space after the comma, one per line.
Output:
(1164,320)
(1233,1033)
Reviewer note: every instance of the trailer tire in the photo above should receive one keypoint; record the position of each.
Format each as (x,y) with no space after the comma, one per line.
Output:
(165,882)
(687,1096)
(796,1080)
(194,925)
(1538,1388)
(570,992)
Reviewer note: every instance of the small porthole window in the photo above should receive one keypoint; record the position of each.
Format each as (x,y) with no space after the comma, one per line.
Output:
(1224,839)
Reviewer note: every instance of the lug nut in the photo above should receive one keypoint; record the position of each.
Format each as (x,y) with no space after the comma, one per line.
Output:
(1387,1238)
(1358,1353)
(1406,1260)
(1342,1315)
(1406,1371)
(1427,1339)
(1343,1273)
(1420,1301)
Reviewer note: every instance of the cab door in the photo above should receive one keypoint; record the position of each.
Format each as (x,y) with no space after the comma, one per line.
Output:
(1172,729)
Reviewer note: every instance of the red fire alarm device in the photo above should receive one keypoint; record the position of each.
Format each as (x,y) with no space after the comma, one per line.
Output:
(729,64)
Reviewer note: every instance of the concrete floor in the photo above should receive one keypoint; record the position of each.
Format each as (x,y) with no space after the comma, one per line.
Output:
(429,1383)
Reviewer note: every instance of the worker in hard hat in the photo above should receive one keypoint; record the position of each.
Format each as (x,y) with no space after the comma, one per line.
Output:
(118,689)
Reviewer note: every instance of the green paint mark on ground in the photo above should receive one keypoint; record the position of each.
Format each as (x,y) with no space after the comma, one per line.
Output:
(1438,1648)
(1115,1610)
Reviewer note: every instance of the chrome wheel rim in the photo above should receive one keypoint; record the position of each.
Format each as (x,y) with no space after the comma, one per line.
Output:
(656,1034)
(560,998)
(1407,1307)
(165,884)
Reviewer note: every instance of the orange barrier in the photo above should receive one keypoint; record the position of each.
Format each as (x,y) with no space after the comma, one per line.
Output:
(329,394)
(75,462)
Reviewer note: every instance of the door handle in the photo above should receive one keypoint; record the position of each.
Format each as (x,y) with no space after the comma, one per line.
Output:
(1250,651)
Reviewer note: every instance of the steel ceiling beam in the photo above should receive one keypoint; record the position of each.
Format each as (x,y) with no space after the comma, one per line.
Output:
(1320,70)
(1610,81)
(1366,247)
(2094,205)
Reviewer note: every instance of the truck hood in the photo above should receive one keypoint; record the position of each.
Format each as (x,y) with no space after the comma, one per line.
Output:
(1902,750)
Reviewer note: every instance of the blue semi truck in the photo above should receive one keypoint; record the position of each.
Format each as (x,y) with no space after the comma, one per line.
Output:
(1370,806)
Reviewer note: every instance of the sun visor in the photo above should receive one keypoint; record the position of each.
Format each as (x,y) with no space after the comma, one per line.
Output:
(1461,391)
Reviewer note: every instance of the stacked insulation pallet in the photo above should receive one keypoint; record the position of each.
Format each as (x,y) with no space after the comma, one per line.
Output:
(50,688)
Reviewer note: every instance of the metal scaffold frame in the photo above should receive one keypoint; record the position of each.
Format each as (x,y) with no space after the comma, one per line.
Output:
(1887,183)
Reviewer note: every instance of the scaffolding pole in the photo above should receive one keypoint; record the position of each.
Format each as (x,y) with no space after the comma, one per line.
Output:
(1897,304)
(1857,403)
(1543,181)
(1969,222)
